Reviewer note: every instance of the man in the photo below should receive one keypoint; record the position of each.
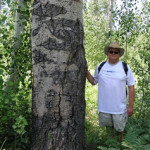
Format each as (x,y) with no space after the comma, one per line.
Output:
(112,81)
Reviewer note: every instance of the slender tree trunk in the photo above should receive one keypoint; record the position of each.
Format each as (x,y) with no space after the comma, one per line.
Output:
(0,5)
(85,3)
(18,29)
(110,13)
(59,73)
(110,16)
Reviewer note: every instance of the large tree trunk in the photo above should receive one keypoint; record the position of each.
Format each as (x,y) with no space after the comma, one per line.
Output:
(59,74)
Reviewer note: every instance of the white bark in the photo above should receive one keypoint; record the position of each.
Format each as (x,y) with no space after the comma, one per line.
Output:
(19,27)
(59,75)
(110,15)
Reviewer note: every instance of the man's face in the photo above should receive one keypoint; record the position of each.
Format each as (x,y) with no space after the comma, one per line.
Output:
(113,54)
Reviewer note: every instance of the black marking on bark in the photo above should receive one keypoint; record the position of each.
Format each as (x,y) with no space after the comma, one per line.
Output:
(35,31)
(48,104)
(35,2)
(49,10)
(70,34)
(52,93)
(39,57)
(58,77)
(52,44)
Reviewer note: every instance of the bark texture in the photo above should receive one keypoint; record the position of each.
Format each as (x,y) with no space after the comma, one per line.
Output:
(59,74)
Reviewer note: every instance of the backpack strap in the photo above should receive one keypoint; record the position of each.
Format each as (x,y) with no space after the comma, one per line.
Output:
(125,67)
(100,66)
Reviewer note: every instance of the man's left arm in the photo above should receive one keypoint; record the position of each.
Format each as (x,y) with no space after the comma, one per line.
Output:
(131,100)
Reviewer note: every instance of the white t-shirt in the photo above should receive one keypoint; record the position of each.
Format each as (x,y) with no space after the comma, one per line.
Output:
(112,87)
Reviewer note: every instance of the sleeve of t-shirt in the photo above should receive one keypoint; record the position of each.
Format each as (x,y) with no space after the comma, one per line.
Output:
(96,75)
(130,77)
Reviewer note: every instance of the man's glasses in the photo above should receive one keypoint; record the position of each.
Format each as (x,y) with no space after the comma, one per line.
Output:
(113,52)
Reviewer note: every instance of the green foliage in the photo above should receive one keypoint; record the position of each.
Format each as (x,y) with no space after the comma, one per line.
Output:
(137,134)
(96,31)
(93,132)
(20,125)
(15,102)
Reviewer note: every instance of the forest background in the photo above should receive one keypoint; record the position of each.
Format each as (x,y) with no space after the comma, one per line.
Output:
(104,21)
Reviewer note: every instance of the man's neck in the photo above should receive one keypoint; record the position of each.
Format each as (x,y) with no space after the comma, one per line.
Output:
(113,61)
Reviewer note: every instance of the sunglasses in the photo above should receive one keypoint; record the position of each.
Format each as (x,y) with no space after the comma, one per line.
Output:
(113,52)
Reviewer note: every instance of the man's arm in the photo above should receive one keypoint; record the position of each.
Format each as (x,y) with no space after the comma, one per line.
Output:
(131,100)
(90,77)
